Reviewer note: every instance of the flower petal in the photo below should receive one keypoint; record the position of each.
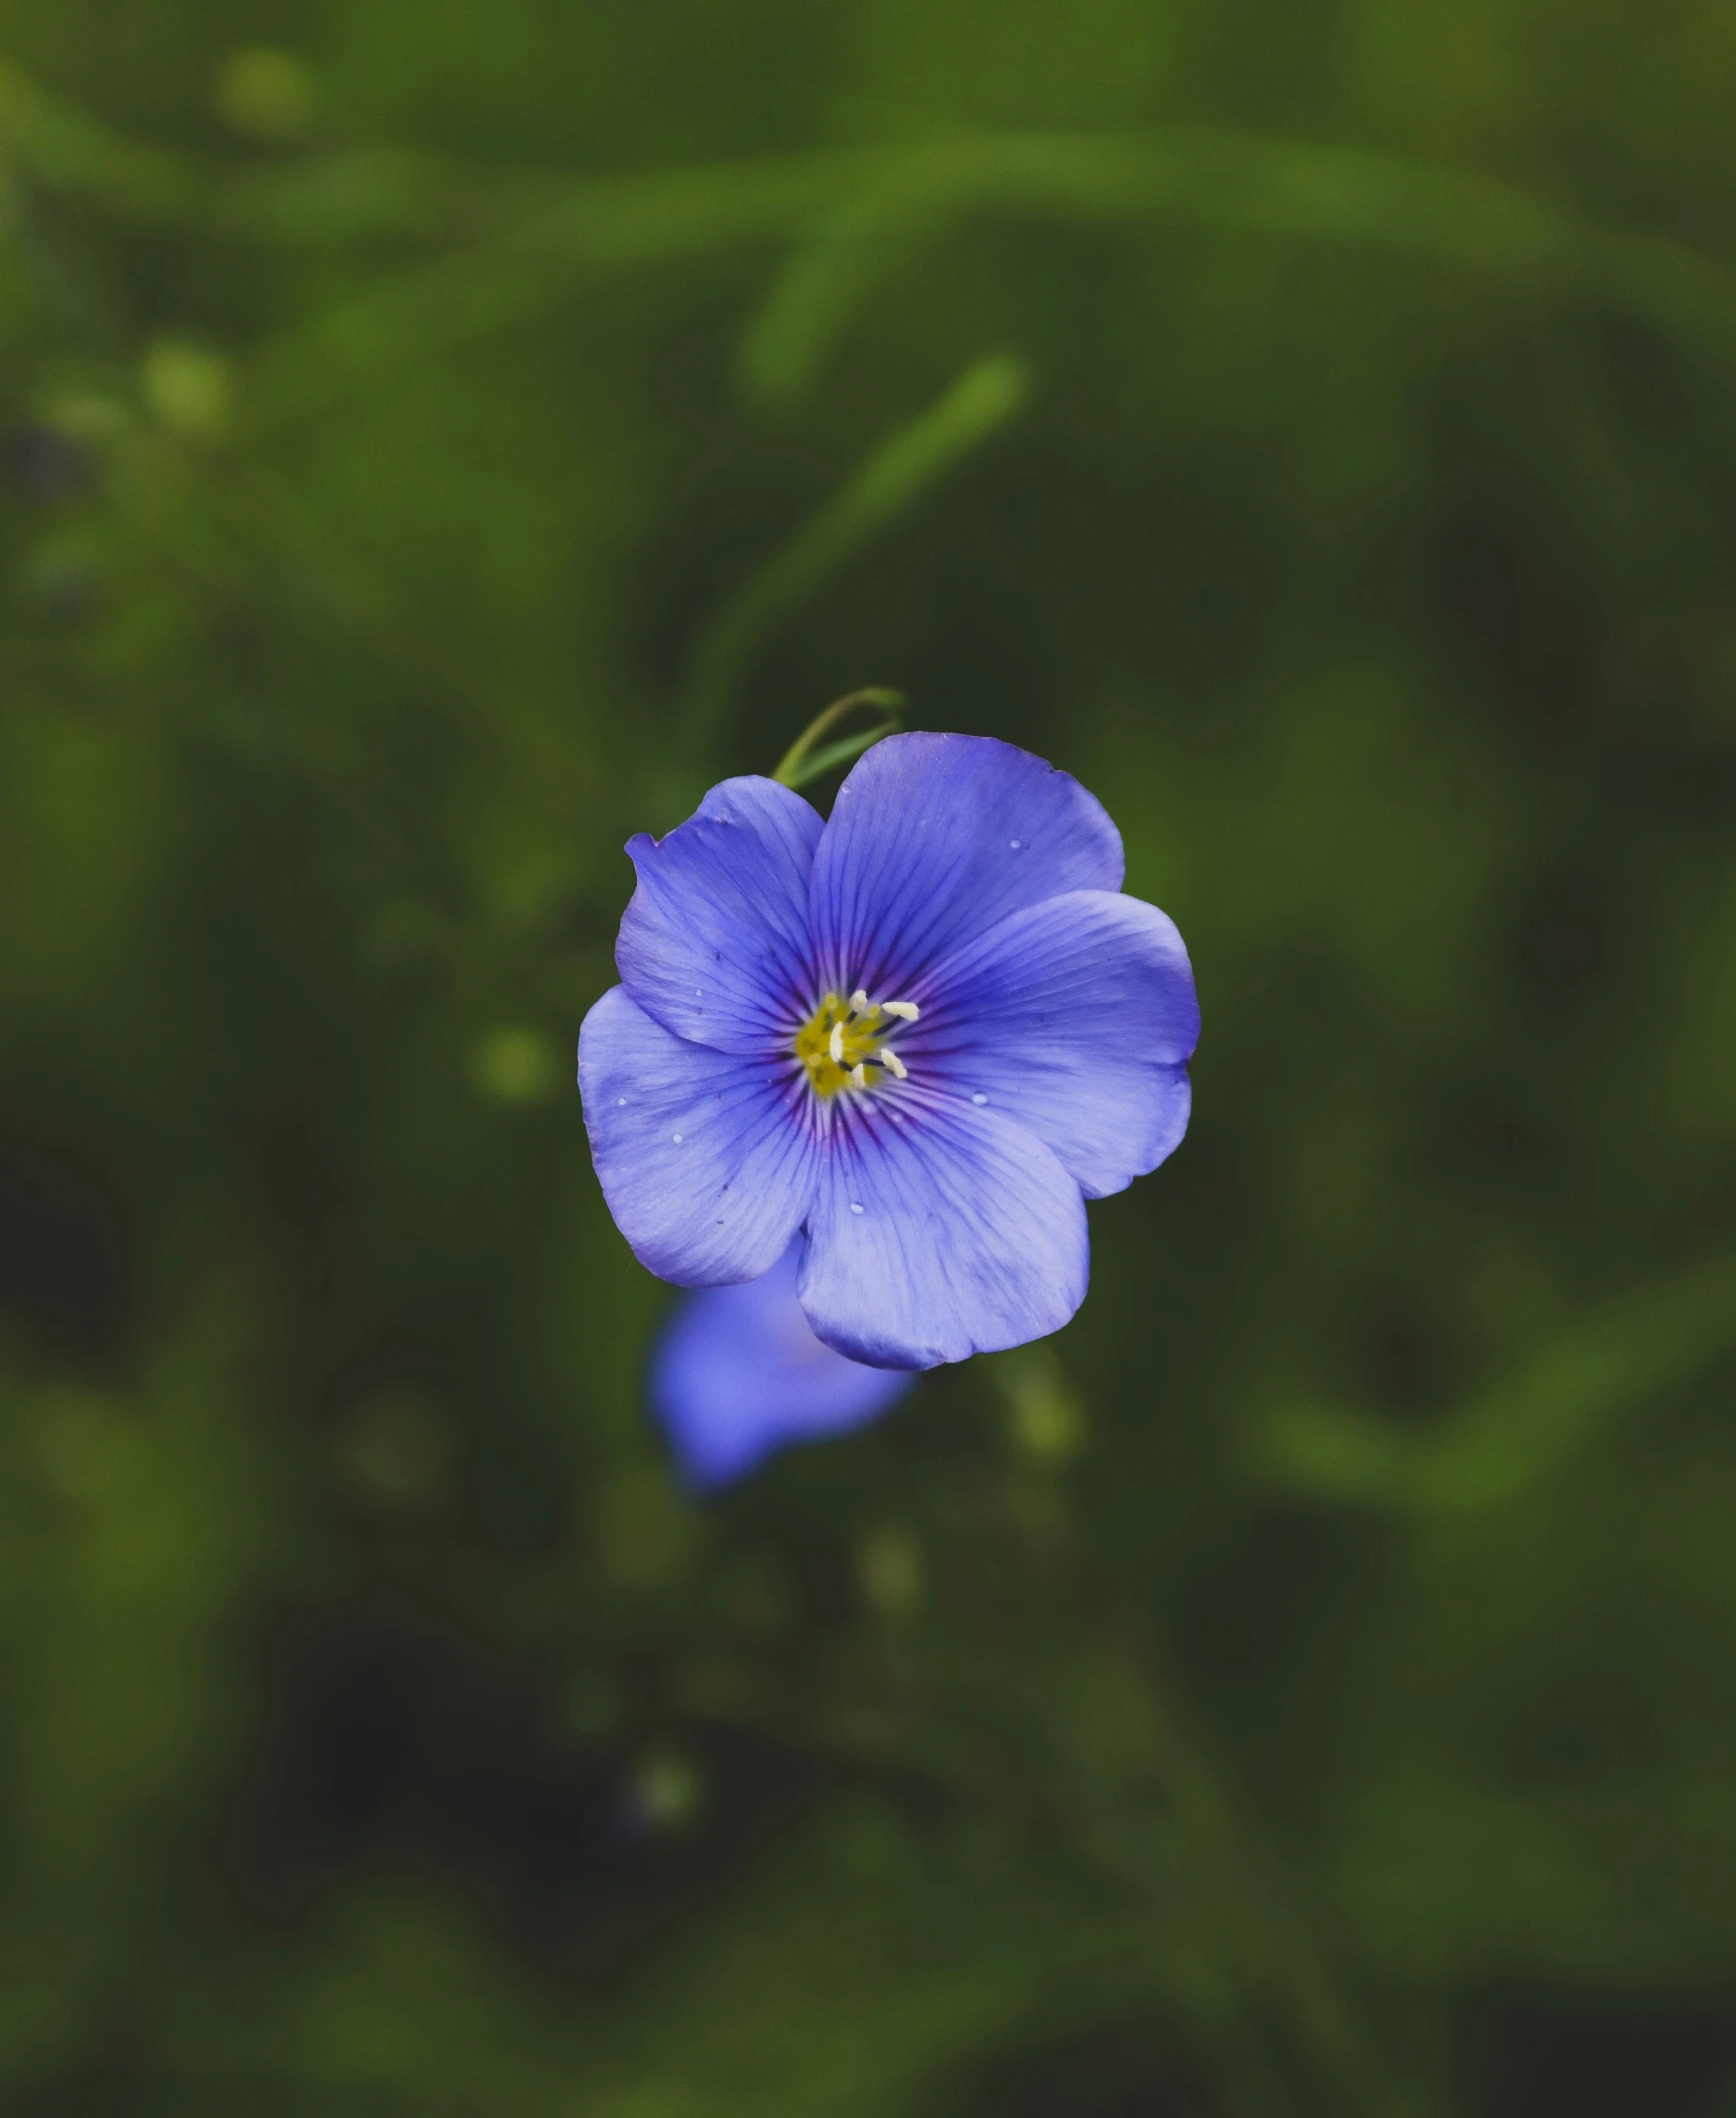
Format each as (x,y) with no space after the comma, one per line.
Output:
(714,944)
(706,1158)
(939,1230)
(1076,1017)
(936,838)
(737,1374)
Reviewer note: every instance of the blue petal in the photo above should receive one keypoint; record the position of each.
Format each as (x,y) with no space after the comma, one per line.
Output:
(714,944)
(1077,1018)
(936,838)
(706,1158)
(738,1374)
(939,1230)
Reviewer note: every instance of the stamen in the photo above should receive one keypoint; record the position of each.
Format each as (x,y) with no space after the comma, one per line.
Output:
(837,1044)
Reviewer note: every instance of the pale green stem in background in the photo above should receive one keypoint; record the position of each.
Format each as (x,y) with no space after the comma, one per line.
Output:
(1501,1445)
(534,233)
(864,207)
(825,281)
(906,467)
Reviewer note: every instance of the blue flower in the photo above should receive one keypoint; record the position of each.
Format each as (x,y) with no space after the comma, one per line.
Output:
(738,1374)
(921,1034)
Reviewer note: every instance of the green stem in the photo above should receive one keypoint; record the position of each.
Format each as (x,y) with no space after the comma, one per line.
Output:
(801,764)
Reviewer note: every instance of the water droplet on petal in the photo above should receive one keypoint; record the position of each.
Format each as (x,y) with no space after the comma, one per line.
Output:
(622,1101)
(979,1099)
(1015,844)
(856,1206)
(676,1137)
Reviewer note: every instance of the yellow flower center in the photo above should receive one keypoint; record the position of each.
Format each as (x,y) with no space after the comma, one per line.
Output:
(842,1043)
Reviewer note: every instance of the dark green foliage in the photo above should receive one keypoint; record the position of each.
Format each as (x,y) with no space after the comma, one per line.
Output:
(443,438)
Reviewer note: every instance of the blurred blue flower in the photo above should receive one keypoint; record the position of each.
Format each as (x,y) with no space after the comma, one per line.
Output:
(737,1374)
(922,1034)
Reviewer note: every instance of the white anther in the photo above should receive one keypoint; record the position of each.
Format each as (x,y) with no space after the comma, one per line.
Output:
(858,1002)
(905,1010)
(835,1044)
(892,1063)
(858,1075)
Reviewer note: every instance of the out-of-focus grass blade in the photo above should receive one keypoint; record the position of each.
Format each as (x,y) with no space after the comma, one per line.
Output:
(826,281)
(530,265)
(895,477)
(65,149)
(315,198)
(852,212)
(1501,1444)
(1220,179)
(1223,180)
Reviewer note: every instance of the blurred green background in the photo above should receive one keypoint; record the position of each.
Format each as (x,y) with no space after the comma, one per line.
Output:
(442,438)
